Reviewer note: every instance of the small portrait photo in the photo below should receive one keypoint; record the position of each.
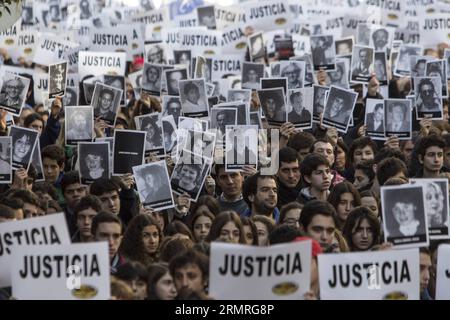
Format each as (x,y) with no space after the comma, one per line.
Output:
(251,75)
(380,67)
(380,38)
(255,119)
(57,75)
(85,9)
(310,77)
(5,160)
(105,102)
(363,34)
(172,107)
(241,147)
(323,52)
(436,206)
(147,5)
(438,68)
(183,57)
(344,46)
(27,15)
(155,53)
(398,118)
(71,96)
(403,63)
(340,76)
(153,185)
(36,161)
(273,105)
(339,108)
(172,77)
(206,17)
(294,71)
(117,82)
(404,223)
(300,107)
(256,47)
(418,65)
(275,69)
(362,64)
(94,161)
(79,124)
(428,97)
(318,101)
(447,59)
(374,119)
(152,79)
(222,117)
(54,12)
(154,142)
(203,67)
(194,101)
(169,129)
(129,149)
(13,93)
(244,95)
(23,142)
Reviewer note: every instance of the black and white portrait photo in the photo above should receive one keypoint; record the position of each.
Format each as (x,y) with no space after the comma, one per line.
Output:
(5,159)
(129,149)
(251,75)
(206,17)
(183,57)
(79,124)
(194,102)
(374,119)
(300,107)
(418,65)
(380,38)
(428,97)
(397,118)
(93,159)
(241,147)
(23,142)
(339,77)
(436,206)
(71,96)
(36,161)
(57,74)
(362,64)
(244,95)
(203,67)
(153,185)
(380,67)
(256,47)
(323,52)
(294,71)
(272,83)
(169,129)
(273,105)
(27,15)
(154,141)
(404,222)
(310,77)
(156,53)
(275,69)
(172,78)
(117,82)
(344,46)
(172,106)
(255,119)
(13,93)
(152,79)
(318,101)
(438,68)
(403,63)
(85,9)
(339,108)
(363,34)
(222,117)
(106,101)
(189,174)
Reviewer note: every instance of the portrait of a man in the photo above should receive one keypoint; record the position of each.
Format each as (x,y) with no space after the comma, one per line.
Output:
(13,92)
(294,71)
(375,119)
(298,114)
(428,97)
(173,76)
(106,100)
(395,116)
(380,39)
(362,63)
(251,74)
(57,79)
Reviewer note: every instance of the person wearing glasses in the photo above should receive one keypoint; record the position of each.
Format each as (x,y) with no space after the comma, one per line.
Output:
(10,96)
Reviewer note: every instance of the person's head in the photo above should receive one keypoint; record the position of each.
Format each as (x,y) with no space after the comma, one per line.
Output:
(201,222)
(58,77)
(391,168)
(30,202)
(324,147)
(14,88)
(316,173)
(284,234)
(229,182)
(155,54)
(370,201)
(178,229)
(289,167)
(378,112)
(190,270)
(94,161)
(344,198)
(250,231)
(426,90)
(434,201)
(362,149)
(106,98)
(398,111)
(192,92)
(45,190)
(153,74)
(6,214)
(296,99)
(22,146)
(135,276)
(226,227)
(425,268)
(292,72)
(16,205)
(141,240)
(362,229)
(446,138)
(160,284)
(290,214)
(336,76)
(173,78)
(188,174)
(365,56)
(364,175)
(318,222)
(380,38)
(430,151)
(403,212)
(71,188)
(79,121)
(108,192)
(34,121)
(252,75)
(53,159)
(434,70)
(261,193)
(85,211)
(340,103)
(264,226)
(221,120)
(302,143)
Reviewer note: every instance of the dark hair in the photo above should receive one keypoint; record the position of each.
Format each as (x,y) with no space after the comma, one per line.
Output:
(191,256)
(388,168)
(399,105)
(294,94)
(380,30)
(429,141)
(26,196)
(251,186)
(13,203)
(104,217)
(45,187)
(361,143)
(196,215)
(131,270)
(54,204)
(312,162)
(103,185)
(54,152)
(220,220)
(387,152)
(89,201)
(268,222)
(287,155)
(69,178)
(208,201)
(171,246)
(29,119)
(341,188)
(288,207)
(246,221)
(354,220)
(106,91)
(284,234)
(423,82)
(366,166)
(6,212)
(177,226)
(316,207)
(190,86)
(155,272)
(301,140)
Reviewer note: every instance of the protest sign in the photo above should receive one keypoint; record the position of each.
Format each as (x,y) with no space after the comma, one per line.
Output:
(100,63)
(118,39)
(263,15)
(201,41)
(226,64)
(434,29)
(443,273)
(51,49)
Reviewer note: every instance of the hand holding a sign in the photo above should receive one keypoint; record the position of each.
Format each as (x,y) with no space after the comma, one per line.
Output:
(127,181)
(286,130)
(56,107)
(392,142)
(3,125)
(362,131)
(322,77)
(373,86)
(183,202)
(425,125)
(99,127)
(20,179)
(333,134)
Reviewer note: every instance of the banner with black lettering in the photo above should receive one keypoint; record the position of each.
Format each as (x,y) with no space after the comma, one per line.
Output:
(380,275)
(50,49)
(69,272)
(101,63)
(277,272)
(115,39)
(153,21)
(267,15)
(201,41)
(228,16)
(170,36)
(46,230)
(234,40)
(434,29)
(40,81)
(19,44)
(226,64)
(443,273)
(390,11)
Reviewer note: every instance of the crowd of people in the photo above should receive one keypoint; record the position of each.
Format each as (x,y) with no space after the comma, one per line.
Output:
(327,185)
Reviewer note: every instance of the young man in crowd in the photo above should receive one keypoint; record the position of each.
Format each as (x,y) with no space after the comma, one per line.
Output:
(72,191)
(425,273)
(53,159)
(288,176)
(231,185)
(30,202)
(261,194)
(85,211)
(430,151)
(364,175)
(391,168)
(324,147)
(316,175)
